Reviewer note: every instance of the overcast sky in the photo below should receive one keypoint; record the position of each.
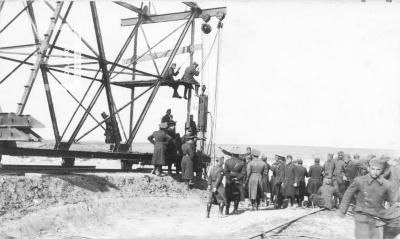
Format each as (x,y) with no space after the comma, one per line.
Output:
(318,73)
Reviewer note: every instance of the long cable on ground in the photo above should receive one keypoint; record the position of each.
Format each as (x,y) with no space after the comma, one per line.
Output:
(287,223)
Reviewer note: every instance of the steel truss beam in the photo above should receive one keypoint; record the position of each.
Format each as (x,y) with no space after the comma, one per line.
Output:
(39,60)
(103,67)
(13,19)
(154,92)
(104,60)
(172,16)
(99,90)
(117,111)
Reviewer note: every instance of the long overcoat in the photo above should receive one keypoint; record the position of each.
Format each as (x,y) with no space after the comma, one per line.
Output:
(255,171)
(161,139)
(215,181)
(315,181)
(187,161)
(234,172)
(288,184)
(300,174)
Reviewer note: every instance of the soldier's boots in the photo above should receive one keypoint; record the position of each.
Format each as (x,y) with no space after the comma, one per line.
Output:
(227,208)
(176,95)
(235,207)
(221,210)
(208,210)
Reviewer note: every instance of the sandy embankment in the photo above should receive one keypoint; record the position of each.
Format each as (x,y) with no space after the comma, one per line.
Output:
(135,206)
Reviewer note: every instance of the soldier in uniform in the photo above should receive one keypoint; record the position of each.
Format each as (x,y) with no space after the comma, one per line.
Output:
(323,198)
(216,188)
(188,78)
(300,180)
(109,133)
(328,167)
(169,78)
(370,192)
(338,174)
(160,140)
(234,172)
(265,179)
(172,152)
(289,184)
(315,175)
(188,151)
(256,169)
(279,171)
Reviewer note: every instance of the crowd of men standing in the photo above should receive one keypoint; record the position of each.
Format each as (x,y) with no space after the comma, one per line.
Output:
(172,149)
(285,180)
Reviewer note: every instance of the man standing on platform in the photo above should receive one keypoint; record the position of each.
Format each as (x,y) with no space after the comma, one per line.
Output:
(111,138)
(191,126)
(167,117)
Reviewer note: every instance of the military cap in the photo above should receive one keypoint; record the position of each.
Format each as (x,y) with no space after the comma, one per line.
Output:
(380,162)
(256,153)
(300,161)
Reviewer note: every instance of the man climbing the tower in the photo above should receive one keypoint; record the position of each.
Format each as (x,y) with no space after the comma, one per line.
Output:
(188,79)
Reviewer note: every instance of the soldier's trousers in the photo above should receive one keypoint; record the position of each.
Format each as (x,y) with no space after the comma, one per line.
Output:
(366,227)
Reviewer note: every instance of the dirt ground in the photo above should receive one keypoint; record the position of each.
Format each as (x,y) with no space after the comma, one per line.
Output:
(138,205)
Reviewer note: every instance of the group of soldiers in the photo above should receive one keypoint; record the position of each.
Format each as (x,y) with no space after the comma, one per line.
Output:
(370,184)
(172,149)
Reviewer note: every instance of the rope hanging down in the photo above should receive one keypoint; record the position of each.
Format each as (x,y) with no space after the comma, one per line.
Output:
(211,144)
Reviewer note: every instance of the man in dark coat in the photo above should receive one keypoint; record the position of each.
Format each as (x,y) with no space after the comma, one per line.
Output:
(338,174)
(191,126)
(188,78)
(172,153)
(216,188)
(167,117)
(328,167)
(234,172)
(169,78)
(256,169)
(187,161)
(323,198)
(370,192)
(315,175)
(278,170)
(289,186)
(300,181)
(265,179)
(109,133)
(160,140)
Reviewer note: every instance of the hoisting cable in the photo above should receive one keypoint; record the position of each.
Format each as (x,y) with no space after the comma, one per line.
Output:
(216,88)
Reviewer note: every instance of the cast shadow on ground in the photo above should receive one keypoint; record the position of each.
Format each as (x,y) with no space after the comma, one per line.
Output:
(88,181)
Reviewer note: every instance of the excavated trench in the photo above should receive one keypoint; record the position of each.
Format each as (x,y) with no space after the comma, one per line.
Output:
(123,206)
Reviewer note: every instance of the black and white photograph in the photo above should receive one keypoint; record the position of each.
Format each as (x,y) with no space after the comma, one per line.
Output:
(233,119)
